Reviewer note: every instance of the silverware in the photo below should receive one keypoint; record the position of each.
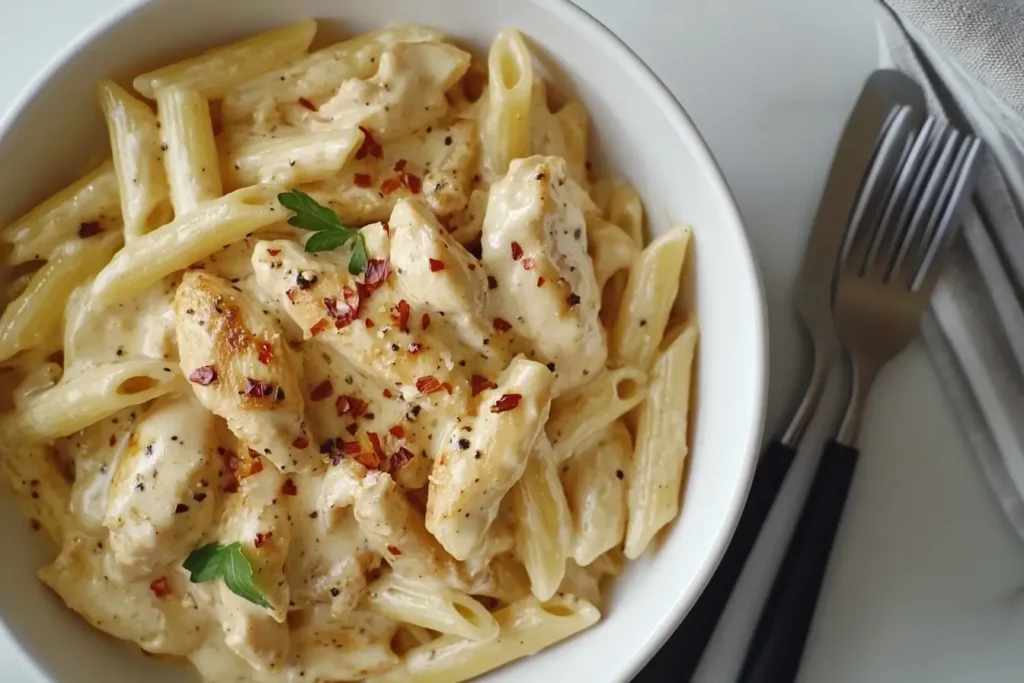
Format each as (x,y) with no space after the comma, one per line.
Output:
(874,131)
(891,261)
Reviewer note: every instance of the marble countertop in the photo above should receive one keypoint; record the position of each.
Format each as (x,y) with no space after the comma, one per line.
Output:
(927,578)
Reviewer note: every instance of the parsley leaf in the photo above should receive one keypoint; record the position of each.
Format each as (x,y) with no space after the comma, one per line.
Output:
(328,231)
(213,561)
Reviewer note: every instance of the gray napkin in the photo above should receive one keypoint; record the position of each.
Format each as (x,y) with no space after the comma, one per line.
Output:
(969,57)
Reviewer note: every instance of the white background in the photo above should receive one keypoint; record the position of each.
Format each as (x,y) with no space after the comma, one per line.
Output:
(927,579)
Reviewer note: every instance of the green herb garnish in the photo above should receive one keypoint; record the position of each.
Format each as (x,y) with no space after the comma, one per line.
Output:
(213,561)
(329,232)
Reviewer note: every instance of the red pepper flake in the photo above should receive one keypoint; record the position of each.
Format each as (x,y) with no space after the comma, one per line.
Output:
(517,251)
(391,184)
(255,388)
(398,459)
(367,460)
(528,263)
(113,440)
(231,486)
(322,390)
(262,538)
(291,294)
(428,384)
(273,252)
(203,376)
(413,182)
(375,442)
(231,460)
(35,524)
(540,281)
(425,321)
(86,230)
(478,383)
(369,323)
(400,165)
(414,348)
(506,403)
(502,325)
(352,448)
(573,299)
(436,265)
(160,587)
(352,429)
(288,488)
(300,442)
(394,550)
(266,354)
(377,271)
(344,312)
(472,266)
(255,464)
(318,327)
(350,405)
(402,317)
(387,228)
(447,387)
(398,431)
(363,180)
(307,104)
(370,147)
(387,393)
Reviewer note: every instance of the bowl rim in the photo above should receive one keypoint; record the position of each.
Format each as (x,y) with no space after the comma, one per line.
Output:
(660,94)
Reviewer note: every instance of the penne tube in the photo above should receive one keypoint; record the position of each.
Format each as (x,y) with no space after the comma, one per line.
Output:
(40,489)
(510,84)
(611,249)
(35,317)
(217,71)
(430,604)
(135,142)
(188,239)
(293,160)
(527,627)
(90,396)
(190,152)
(90,203)
(625,209)
(661,448)
(581,414)
(648,299)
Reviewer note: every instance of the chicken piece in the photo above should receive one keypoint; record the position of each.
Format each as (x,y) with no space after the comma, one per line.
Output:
(405,94)
(160,501)
(535,246)
(239,364)
(478,466)
(349,649)
(157,613)
(437,165)
(257,517)
(373,327)
(395,529)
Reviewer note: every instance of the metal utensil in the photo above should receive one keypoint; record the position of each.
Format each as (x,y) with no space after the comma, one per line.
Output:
(870,135)
(891,262)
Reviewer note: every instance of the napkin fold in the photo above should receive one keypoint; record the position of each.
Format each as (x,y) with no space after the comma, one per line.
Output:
(968,55)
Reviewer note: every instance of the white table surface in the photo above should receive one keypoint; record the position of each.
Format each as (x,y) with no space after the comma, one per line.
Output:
(927,579)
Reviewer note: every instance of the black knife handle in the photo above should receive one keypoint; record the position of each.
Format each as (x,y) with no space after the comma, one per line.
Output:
(776,649)
(679,659)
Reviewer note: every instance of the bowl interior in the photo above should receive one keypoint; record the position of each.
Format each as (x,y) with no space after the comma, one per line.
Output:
(637,129)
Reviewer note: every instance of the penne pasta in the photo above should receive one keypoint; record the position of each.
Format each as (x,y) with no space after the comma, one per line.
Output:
(610,248)
(188,239)
(647,300)
(90,396)
(135,142)
(40,489)
(430,604)
(507,128)
(190,153)
(90,204)
(292,160)
(580,415)
(35,317)
(626,210)
(217,71)
(661,448)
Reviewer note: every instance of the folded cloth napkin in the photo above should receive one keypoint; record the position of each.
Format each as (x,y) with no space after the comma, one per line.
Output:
(969,57)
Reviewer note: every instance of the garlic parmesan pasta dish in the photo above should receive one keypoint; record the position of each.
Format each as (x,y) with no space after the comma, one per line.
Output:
(344,365)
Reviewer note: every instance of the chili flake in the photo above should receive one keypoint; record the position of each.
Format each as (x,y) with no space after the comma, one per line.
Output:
(428,384)
(506,403)
(86,230)
(160,587)
(502,325)
(350,405)
(363,180)
(307,104)
(414,348)
(480,383)
(266,353)
(377,271)
(288,488)
(318,327)
(436,265)
(322,390)
(262,538)
(398,431)
(300,442)
(203,376)
(370,147)
(402,318)
(255,388)
(517,251)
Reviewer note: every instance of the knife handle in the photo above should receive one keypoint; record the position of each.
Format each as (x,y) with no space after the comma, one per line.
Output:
(679,659)
(777,646)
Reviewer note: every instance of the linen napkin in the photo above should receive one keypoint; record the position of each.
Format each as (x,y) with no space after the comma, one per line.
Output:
(969,57)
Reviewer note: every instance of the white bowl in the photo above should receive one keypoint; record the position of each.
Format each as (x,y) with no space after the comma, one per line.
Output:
(641,132)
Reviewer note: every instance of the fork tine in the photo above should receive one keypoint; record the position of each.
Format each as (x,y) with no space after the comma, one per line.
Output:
(956,196)
(876,189)
(934,148)
(892,224)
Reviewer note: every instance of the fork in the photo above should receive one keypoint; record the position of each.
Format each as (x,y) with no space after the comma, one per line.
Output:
(891,260)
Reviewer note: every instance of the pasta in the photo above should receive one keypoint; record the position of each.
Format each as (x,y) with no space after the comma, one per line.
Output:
(345,365)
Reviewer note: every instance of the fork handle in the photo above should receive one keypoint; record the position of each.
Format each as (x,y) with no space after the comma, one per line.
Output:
(777,646)
(679,662)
